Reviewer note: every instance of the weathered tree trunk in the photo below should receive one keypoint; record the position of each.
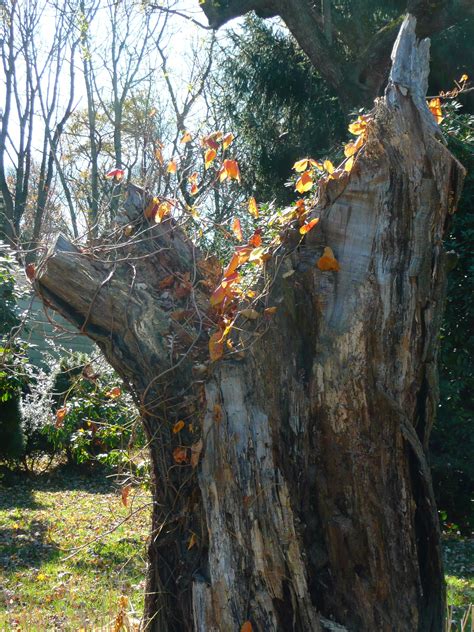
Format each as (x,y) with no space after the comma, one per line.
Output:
(304,475)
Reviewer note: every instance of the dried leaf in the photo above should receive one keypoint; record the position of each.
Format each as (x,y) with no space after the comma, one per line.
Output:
(159,155)
(166,282)
(186,137)
(209,157)
(328,262)
(249,313)
(269,311)
(196,450)
(216,346)
(114,393)
(237,228)
(172,167)
(180,455)
(192,541)
(304,183)
(227,140)
(310,225)
(253,208)
(288,273)
(30,271)
(178,426)
(125,493)
(116,174)
(435,109)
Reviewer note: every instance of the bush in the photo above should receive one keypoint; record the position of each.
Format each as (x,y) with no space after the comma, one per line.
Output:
(12,360)
(89,418)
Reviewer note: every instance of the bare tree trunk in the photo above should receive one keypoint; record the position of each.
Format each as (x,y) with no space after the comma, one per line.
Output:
(299,491)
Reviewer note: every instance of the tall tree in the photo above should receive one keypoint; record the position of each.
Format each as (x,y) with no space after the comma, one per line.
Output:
(291,485)
(349,42)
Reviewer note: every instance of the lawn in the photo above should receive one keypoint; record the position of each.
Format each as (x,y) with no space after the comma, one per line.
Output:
(72,556)
(45,582)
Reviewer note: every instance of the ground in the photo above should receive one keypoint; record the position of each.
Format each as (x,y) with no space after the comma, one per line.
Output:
(46,583)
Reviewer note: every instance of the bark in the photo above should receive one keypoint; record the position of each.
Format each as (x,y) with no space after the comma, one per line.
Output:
(305,476)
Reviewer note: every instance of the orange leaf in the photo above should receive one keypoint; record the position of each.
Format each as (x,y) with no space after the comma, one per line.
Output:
(186,137)
(232,265)
(114,392)
(180,455)
(237,229)
(30,271)
(192,541)
(179,425)
(163,209)
(216,346)
(125,493)
(230,169)
(246,627)
(60,414)
(328,166)
(152,208)
(209,157)
(196,450)
(435,109)
(194,189)
(172,167)
(328,262)
(116,174)
(253,208)
(227,140)
(307,227)
(218,296)
(256,239)
(304,183)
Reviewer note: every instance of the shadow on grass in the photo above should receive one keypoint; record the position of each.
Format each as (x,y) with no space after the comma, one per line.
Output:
(26,546)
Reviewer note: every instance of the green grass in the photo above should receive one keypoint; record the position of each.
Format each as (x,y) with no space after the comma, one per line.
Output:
(45,584)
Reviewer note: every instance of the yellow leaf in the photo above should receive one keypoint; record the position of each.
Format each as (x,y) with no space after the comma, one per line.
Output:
(463,79)
(349,164)
(328,262)
(209,157)
(186,137)
(163,209)
(435,109)
(304,183)
(301,165)
(328,166)
(359,126)
(41,577)
(172,166)
(179,425)
(253,208)
(227,140)
(192,541)
(256,254)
